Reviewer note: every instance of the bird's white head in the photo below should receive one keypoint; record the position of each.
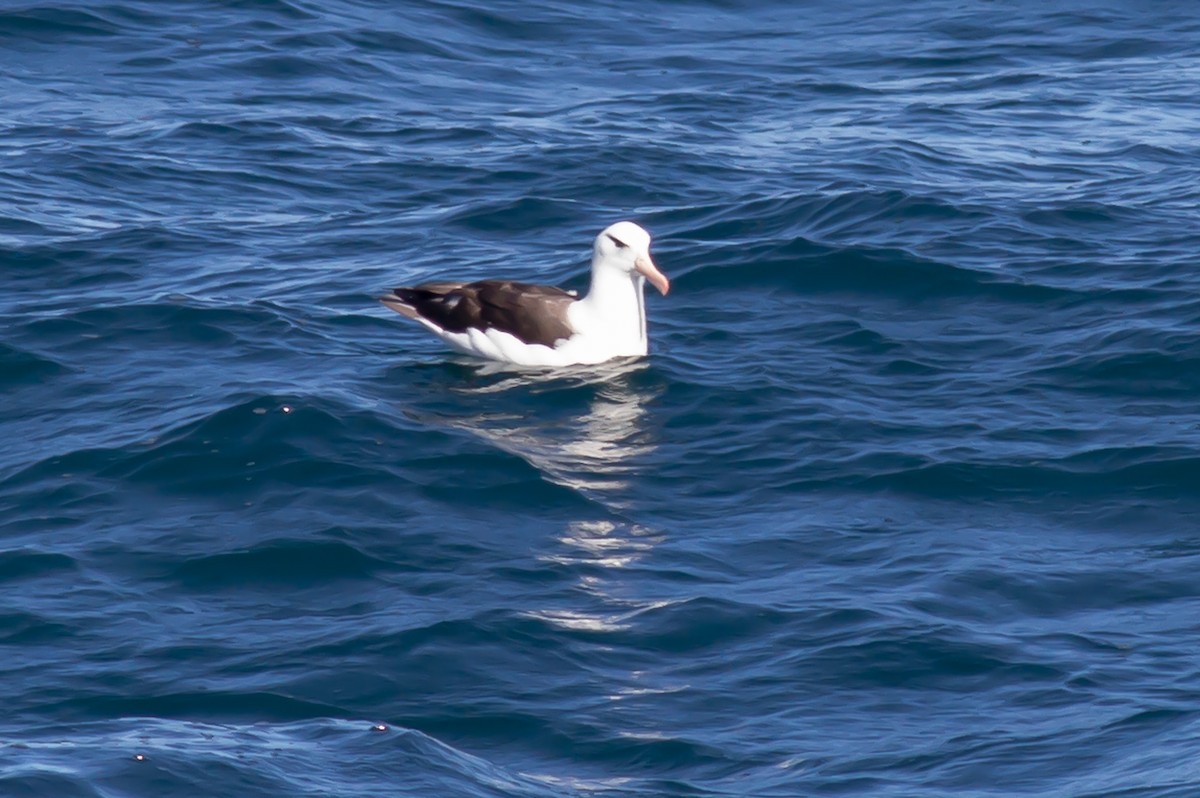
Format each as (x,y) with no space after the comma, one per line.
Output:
(626,246)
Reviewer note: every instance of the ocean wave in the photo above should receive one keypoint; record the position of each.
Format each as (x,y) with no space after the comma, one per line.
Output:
(1128,363)
(51,23)
(352,757)
(806,267)
(19,367)
(270,446)
(286,561)
(916,657)
(1104,473)
(19,564)
(32,629)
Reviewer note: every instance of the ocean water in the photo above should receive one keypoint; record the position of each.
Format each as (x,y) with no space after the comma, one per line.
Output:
(904,501)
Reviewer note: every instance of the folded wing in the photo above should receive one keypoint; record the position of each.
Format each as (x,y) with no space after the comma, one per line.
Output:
(534,314)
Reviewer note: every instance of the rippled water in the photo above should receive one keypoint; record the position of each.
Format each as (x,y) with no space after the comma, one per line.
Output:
(903,502)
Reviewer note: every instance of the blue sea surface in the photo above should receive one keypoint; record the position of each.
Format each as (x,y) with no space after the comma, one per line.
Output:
(905,500)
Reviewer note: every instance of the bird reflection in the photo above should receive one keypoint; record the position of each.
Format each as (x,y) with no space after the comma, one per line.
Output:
(584,428)
(589,429)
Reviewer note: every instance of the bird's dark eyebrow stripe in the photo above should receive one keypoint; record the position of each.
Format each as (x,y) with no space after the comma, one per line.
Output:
(616,240)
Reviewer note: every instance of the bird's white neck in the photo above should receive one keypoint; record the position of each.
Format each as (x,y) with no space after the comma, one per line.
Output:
(615,305)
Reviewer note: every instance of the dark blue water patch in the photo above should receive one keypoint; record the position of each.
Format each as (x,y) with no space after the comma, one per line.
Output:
(1120,366)
(499,217)
(26,629)
(53,24)
(293,562)
(1092,474)
(33,782)
(992,594)
(19,367)
(18,564)
(779,216)
(805,267)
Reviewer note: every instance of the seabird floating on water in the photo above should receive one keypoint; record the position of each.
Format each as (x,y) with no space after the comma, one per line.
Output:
(540,325)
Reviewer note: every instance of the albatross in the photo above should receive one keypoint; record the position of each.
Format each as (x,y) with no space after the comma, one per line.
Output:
(540,325)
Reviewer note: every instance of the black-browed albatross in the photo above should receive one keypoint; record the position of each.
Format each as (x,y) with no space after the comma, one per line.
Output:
(540,325)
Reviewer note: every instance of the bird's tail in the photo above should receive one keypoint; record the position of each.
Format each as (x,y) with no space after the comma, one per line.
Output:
(400,300)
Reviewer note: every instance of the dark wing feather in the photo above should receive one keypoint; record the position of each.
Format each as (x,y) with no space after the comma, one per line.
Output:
(534,314)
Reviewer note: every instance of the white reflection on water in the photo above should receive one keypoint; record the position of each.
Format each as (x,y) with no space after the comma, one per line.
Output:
(591,430)
(536,415)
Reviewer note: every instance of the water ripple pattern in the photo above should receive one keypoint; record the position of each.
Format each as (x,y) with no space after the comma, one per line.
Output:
(902,503)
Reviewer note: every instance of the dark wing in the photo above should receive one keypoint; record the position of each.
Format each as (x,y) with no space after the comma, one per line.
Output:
(534,314)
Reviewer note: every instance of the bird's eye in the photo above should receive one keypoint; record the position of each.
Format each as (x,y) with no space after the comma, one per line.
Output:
(616,240)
